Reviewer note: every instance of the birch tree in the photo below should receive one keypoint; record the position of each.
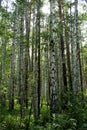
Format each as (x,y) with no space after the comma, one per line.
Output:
(53,82)
(27,49)
(21,59)
(13,60)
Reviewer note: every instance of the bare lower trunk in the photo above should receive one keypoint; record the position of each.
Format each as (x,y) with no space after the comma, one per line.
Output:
(53,82)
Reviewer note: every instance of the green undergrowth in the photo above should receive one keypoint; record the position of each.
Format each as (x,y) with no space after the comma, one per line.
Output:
(73,118)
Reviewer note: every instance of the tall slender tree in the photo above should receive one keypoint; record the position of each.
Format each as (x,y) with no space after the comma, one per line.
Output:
(37,62)
(53,82)
(13,59)
(27,50)
(21,59)
(62,54)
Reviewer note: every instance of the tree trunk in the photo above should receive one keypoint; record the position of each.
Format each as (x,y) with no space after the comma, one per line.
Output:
(21,67)
(62,50)
(13,58)
(53,82)
(68,60)
(38,51)
(27,53)
(77,72)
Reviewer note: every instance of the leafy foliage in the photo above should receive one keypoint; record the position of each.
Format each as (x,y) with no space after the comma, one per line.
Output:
(74,119)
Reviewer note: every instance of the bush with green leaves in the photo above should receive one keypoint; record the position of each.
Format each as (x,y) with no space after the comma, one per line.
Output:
(45,115)
(74,118)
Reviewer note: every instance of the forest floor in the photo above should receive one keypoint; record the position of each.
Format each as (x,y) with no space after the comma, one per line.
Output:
(74,118)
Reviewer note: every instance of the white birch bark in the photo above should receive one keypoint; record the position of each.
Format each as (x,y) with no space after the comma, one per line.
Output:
(53,82)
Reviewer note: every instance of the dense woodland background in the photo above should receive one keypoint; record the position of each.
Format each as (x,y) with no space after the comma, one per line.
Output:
(43,65)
